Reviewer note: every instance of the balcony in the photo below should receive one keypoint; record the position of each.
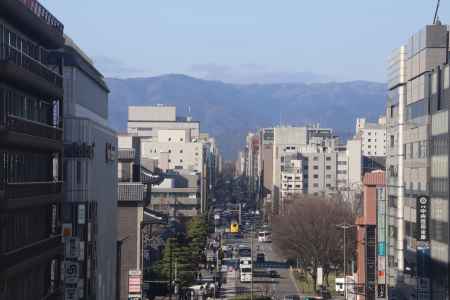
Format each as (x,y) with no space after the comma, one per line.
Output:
(126,154)
(131,192)
(28,73)
(29,194)
(36,253)
(35,20)
(22,132)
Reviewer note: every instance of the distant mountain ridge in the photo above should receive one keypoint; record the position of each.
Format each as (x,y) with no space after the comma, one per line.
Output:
(229,111)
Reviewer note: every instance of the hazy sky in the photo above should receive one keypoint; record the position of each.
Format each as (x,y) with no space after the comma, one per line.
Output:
(244,40)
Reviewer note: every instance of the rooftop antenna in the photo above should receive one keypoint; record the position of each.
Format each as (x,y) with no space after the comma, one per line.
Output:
(436,16)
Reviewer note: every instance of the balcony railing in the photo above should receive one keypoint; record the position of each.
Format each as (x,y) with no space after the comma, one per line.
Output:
(32,128)
(42,13)
(126,153)
(9,53)
(131,191)
(29,189)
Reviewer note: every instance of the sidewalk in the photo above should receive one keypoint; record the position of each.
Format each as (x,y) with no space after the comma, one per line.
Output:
(228,289)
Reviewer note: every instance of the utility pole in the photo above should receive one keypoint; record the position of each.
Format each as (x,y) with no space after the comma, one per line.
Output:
(170,270)
(345,227)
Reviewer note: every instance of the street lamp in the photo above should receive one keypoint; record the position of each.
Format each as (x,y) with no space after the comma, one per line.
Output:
(345,227)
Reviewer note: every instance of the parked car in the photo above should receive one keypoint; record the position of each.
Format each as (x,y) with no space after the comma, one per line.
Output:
(273,274)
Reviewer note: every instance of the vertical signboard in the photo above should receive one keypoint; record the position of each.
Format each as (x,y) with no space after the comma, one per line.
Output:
(135,284)
(423,248)
(423,219)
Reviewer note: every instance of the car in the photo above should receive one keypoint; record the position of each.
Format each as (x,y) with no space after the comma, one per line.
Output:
(273,274)
(260,258)
(291,297)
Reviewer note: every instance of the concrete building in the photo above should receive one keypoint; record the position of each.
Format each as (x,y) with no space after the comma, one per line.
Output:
(174,144)
(373,136)
(31,152)
(178,195)
(294,176)
(133,215)
(90,173)
(252,167)
(418,166)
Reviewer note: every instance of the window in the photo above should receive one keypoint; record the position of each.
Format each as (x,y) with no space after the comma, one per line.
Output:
(181,160)
(181,139)
(181,151)
(316,176)
(170,151)
(328,176)
(316,185)
(369,140)
(392,141)
(170,139)
(316,167)
(328,158)
(328,167)
(315,158)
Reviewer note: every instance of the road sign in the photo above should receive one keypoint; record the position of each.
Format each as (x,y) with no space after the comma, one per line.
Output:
(134,284)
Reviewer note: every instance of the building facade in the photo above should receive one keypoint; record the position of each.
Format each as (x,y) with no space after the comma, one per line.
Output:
(31,152)
(418,166)
(90,176)
(373,136)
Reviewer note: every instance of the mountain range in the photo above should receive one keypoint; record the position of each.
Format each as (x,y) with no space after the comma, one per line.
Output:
(229,111)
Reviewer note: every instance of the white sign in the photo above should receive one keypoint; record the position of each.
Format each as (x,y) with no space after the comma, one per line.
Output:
(81,214)
(134,282)
(71,272)
(72,247)
(319,276)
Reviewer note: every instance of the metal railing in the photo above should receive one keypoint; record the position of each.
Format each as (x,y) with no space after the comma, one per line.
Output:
(126,153)
(32,128)
(42,13)
(10,53)
(132,191)
(29,189)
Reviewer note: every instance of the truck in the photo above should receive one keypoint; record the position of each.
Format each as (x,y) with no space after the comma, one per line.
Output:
(245,269)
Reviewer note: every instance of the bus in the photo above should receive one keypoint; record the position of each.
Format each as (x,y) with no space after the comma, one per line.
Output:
(264,237)
(234,227)
(245,268)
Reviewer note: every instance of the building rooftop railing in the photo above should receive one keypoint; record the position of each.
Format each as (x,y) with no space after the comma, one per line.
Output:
(10,53)
(42,13)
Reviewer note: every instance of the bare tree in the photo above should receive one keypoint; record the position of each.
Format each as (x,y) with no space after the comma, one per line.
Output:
(308,231)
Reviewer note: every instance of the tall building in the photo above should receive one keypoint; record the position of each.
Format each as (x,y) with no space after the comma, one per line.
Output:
(373,136)
(90,177)
(417,137)
(31,152)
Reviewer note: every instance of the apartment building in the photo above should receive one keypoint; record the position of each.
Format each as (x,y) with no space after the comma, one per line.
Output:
(418,167)
(373,136)
(31,152)
(90,177)
(294,176)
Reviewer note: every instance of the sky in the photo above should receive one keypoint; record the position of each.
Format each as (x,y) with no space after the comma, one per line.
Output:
(244,40)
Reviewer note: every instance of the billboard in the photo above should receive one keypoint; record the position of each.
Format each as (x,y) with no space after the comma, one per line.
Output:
(423,219)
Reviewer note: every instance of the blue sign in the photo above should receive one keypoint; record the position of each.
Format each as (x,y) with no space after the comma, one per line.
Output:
(381,248)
